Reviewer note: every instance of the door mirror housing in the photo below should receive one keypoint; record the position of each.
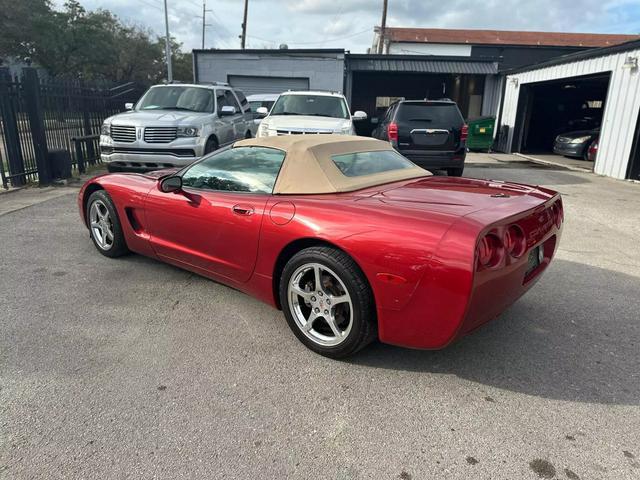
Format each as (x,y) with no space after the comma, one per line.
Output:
(227,110)
(262,111)
(128,106)
(359,115)
(172,184)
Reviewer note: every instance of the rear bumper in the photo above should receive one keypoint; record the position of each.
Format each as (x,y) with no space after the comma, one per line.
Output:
(436,159)
(454,298)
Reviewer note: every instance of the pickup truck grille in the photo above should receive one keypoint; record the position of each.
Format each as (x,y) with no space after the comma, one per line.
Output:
(160,134)
(123,133)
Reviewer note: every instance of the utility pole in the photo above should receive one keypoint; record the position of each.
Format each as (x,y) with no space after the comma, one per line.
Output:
(383,26)
(204,20)
(244,25)
(167,44)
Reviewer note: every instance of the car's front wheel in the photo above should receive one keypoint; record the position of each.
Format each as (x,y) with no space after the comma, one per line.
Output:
(104,225)
(328,302)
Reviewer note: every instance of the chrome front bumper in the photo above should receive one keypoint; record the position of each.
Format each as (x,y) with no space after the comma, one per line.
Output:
(139,155)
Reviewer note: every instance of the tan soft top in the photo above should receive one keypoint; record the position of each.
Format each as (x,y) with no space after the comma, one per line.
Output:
(308,168)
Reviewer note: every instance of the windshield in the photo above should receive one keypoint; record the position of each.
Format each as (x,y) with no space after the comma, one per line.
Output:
(191,99)
(314,105)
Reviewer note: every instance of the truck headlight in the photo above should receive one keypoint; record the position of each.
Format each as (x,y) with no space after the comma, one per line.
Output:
(580,139)
(188,132)
(105,129)
(346,129)
(263,129)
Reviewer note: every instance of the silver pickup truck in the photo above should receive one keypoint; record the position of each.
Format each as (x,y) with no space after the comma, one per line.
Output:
(174,125)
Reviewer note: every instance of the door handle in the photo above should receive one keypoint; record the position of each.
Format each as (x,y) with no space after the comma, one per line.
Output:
(242,210)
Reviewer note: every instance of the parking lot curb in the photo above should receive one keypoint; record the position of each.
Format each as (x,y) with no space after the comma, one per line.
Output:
(555,164)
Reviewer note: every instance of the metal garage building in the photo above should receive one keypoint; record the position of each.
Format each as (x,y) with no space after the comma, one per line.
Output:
(607,78)
(271,71)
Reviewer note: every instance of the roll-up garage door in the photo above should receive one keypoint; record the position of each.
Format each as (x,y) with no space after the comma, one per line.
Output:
(252,85)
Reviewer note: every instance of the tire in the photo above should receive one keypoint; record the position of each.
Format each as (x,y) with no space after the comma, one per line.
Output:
(211,145)
(585,153)
(248,134)
(455,172)
(113,245)
(345,295)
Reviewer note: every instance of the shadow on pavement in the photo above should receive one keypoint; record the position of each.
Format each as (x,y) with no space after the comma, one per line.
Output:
(566,339)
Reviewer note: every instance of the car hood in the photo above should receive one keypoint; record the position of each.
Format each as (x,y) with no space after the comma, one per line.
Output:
(578,133)
(462,196)
(306,122)
(158,117)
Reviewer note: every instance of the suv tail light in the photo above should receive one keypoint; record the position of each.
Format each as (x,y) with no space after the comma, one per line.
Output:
(464,133)
(392,132)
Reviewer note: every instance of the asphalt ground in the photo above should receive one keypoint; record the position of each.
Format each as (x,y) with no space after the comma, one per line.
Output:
(130,368)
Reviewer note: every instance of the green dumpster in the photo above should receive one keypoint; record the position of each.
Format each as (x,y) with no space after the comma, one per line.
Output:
(480,136)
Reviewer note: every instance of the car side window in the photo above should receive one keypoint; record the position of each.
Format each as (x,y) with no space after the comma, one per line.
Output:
(241,169)
(231,100)
(221,100)
(243,100)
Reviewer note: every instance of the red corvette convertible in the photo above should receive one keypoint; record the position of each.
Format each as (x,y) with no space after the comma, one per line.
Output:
(350,239)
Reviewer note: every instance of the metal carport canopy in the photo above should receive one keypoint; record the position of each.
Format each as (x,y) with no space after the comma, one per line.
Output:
(419,64)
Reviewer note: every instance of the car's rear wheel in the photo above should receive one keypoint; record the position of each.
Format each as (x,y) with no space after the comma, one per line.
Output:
(104,225)
(211,145)
(455,172)
(328,302)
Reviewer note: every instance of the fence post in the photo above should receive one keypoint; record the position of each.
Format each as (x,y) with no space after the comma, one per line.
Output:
(15,160)
(33,104)
(86,123)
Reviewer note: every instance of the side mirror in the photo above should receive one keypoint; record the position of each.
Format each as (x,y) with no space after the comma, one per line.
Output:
(262,111)
(227,110)
(172,184)
(128,106)
(359,115)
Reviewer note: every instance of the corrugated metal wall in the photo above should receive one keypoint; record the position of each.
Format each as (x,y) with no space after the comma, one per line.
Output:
(492,91)
(621,109)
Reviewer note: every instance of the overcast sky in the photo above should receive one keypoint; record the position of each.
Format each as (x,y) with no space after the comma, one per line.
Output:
(349,23)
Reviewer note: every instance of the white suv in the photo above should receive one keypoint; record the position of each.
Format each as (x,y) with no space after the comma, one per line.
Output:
(308,112)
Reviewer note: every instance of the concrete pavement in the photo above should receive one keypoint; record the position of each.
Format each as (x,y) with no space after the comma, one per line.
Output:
(130,368)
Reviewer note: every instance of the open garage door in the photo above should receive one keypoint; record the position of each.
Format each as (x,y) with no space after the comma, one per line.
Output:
(557,107)
(252,85)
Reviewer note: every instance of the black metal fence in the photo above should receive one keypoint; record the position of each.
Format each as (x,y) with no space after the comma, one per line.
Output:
(40,115)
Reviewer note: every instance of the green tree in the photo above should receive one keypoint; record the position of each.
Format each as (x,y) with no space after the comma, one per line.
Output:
(73,42)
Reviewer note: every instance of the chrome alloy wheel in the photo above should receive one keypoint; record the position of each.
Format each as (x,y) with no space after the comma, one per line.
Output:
(101,225)
(320,304)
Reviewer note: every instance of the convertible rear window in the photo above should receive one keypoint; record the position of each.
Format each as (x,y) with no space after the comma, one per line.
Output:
(369,163)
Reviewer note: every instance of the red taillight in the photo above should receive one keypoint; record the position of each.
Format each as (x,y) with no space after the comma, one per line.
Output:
(514,241)
(489,251)
(593,150)
(464,133)
(558,214)
(392,132)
